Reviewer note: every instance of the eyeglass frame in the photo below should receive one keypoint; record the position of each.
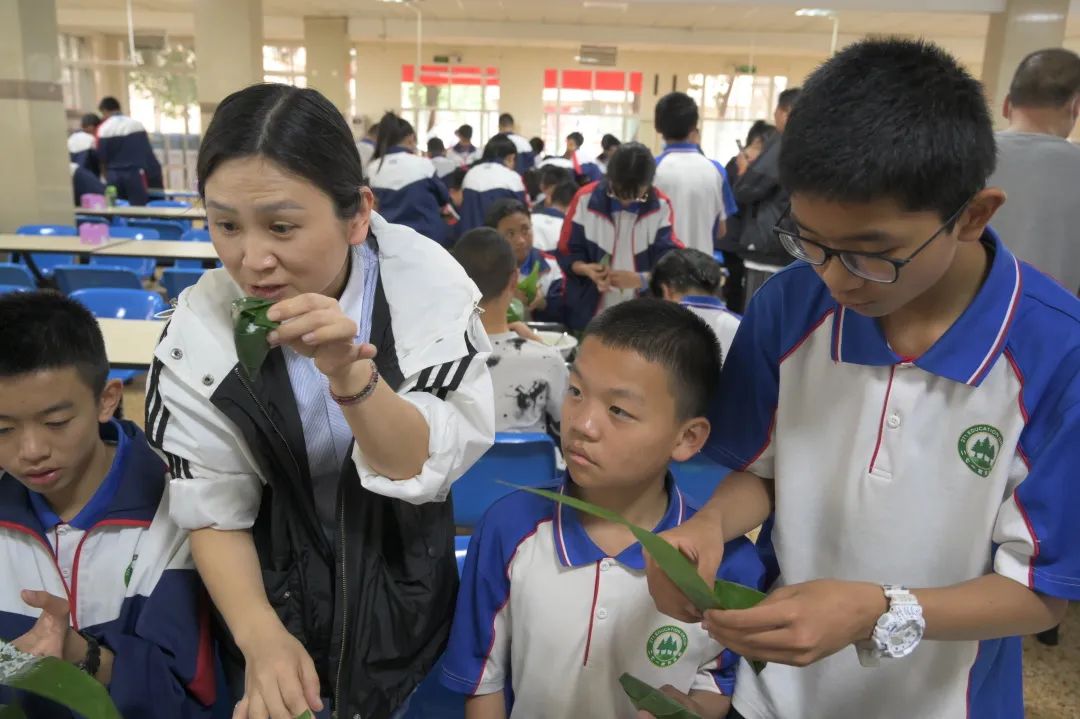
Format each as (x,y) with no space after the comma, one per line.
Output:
(644,197)
(897,263)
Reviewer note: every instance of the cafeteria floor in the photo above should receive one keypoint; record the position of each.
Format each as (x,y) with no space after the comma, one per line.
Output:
(1051,674)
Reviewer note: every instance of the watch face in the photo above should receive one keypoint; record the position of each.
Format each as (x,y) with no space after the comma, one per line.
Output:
(897,636)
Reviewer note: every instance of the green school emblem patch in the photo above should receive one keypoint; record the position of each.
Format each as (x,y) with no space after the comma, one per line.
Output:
(666,646)
(979,447)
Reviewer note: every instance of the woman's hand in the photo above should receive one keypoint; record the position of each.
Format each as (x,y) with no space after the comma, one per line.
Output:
(624,280)
(279,678)
(315,326)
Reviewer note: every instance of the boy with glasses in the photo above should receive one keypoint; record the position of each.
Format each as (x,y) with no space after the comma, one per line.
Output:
(902,407)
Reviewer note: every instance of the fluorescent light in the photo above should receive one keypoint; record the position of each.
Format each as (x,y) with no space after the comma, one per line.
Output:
(393,2)
(804,12)
(1040,17)
(605,5)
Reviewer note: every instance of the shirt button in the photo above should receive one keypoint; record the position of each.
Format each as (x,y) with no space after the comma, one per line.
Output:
(894,421)
(601,613)
(605,564)
(66,574)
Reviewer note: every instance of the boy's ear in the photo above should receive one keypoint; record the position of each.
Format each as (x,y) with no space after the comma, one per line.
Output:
(692,438)
(973,221)
(110,400)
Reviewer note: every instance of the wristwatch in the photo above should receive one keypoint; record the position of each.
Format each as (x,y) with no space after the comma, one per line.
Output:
(92,661)
(897,632)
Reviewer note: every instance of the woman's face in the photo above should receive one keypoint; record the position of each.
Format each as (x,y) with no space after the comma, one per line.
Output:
(278,234)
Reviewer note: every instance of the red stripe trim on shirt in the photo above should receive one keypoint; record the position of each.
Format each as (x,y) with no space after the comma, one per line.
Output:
(881,422)
(592,614)
(202,685)
(78,556)
(1002,330)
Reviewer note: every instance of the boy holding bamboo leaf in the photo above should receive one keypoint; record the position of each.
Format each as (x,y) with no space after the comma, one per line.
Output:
(554,605)
(540,288)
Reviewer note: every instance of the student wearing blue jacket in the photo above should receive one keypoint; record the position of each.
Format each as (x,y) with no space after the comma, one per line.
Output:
(407,186)
(127,159)
(526,158)
(490,180)
(94,571)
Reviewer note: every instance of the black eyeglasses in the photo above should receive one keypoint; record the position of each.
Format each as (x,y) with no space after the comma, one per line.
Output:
(871,266)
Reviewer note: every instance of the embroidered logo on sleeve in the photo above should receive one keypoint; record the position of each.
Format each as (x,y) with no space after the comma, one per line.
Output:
(666,646)
(979,447)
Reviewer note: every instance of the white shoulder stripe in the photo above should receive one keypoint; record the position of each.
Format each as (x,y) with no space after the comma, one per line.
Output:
(1004,325)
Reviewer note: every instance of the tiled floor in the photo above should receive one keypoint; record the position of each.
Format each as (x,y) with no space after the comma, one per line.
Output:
(1051,674)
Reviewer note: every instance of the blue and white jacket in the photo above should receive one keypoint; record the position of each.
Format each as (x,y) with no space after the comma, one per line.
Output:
(589,170)
(133,586)
(547,225)
(589,235)
(410,193)
(526,158)
(83,182)
(484,184)
(82,149)
(124,147)
(550,283)
(464,155)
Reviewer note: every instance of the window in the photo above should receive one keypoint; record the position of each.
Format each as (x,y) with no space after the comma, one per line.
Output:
(76,74)
(451,96)
(285,63)
(729,106)
(592,102)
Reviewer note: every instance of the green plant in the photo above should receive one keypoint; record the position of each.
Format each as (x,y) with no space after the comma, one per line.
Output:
(169,77)
(54,679)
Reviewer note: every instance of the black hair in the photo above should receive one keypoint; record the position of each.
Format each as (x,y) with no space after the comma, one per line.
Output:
(297,128)
(464,132)
(686,271)
(487,258)
(786,100)
(669,335)
(373,130)
(609,141)
(501,209)
(554,175)
(760,130)
(498,148)
(537,145)
(392,131)
(45,330)
(577,137)
(456,179)
(631,168)
(89,120)
(109,104)
(435,146)
(897,119)
(676,116)
(1046,78)
(564,192)
(506,120)
(531,178)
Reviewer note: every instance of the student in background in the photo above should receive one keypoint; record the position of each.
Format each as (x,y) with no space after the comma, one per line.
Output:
(537,146)
(551,176)
(525,157)
(608,145)
(587,170)
(127,160)
(406,185)
(464,152)
(529,378)
(366,147)
(554,605)
(1039,168)
(903,406)
(493,178)
(436,152)
(615,232)
(696,185)
(83,182)
(82,145)
(547,221)
(511,219)
(95,573)
(693,279)
(454,183)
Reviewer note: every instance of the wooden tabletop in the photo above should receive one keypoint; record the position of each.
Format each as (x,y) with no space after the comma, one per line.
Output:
(159,249)
(56,244)
(130,344)
(161,213)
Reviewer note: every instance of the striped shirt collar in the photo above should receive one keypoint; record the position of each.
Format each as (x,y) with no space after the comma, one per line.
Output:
(967,351)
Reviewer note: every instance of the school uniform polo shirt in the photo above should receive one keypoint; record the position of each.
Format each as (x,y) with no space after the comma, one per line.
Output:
(926,472)
(698,190)
(546,615)
(723,322)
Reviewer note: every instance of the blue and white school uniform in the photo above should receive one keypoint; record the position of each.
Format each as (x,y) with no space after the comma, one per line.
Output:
(699,192)
(464,155)
(925,472)
(549,283)
(526,158)
(366,147)
(126,570)
(589,170)
(723,321)
(547,225)
(83,182)
(410,193)
(444,165)
(82,149)
(484,184)
(547,617)
(130,163)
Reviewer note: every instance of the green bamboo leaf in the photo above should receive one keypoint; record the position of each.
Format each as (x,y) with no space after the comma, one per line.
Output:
(531,282)
(306,715)
(654,701)
(736,596)
(516,311)
(57,680)
(250,328)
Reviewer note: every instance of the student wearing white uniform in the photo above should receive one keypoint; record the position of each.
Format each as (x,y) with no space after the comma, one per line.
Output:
(492,179)
(528,377)
(547,221)
(693,279)
(554,606)
(366,147)
(696,185)
(464,152)
(436,152)
(82,145)
(313,484)
(608,145)
(902,401)
(525,159)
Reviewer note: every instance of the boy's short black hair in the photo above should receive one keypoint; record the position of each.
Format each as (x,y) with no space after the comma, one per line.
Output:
(109,104)
(1046,78)
(464,132)
(501,209)
(686,270)
(487,258)
(498,148)
(537,145)
(577,137)
(506,119)
(673,337)
(554,175)
(89,120)
(890,119)
(45,330)
(676,116)
(631,168)
(564,192)
(435,146)
(787,98)
(609,141)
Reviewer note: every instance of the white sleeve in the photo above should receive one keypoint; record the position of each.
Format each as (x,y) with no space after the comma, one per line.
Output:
(558,378)
(215,483)
(457,401)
